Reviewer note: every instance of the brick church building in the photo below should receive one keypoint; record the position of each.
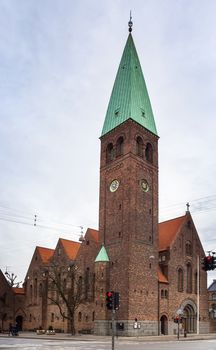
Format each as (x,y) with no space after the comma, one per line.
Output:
(154,266)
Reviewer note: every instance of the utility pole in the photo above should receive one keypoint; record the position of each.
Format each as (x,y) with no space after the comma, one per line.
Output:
(113,325)
(198,292)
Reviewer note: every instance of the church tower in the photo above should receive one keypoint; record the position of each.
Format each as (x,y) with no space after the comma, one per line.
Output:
(128,217)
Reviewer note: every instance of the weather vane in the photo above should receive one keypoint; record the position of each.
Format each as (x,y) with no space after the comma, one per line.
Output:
(130,24)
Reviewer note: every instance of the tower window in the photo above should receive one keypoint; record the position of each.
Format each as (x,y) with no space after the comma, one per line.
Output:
(149,153)
(139,146)
(110,152)
(119,146)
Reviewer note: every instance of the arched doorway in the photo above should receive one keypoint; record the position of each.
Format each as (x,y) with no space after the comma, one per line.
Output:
(189,319)
(19,322)
(164,325)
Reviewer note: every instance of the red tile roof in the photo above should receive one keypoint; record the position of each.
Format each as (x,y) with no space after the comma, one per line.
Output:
(45,253)
(161,277)
(18,290)
(71,248)
(168,231)
(94,234)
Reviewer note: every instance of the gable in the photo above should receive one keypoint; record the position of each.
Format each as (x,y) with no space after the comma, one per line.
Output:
(70,247)
(168,231)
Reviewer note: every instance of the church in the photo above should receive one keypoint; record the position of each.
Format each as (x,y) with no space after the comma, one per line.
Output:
(155,267)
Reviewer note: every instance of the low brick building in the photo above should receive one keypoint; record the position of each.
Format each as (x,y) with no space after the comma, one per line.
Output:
(12,305)
(212,306)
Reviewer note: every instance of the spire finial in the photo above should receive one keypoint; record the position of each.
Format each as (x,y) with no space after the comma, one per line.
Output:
(130,24)
(188,206)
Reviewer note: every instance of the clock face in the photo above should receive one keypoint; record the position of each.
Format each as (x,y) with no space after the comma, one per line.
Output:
(114,186)
(144,185)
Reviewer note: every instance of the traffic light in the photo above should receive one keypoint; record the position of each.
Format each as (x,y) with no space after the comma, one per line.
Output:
(178,319)
(116,300)
(213,262)
(208,262)
(109,300)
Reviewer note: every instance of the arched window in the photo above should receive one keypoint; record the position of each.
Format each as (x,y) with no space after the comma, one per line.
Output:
(189,278)
(40,290)
(188,248)
(35,288)
(180,280)
(166,294)
(119,146)
(162,293)
(79,317)
(149,153)
(31,293)
(87,283)
(139,146)
(109,152)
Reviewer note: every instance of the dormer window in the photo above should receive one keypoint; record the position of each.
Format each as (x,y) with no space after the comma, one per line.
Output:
(143,113)
(117,112)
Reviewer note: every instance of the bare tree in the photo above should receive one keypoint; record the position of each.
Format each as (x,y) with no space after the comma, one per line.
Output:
(11,277)
(65,289)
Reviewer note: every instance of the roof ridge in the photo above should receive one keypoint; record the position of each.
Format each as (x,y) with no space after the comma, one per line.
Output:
(68,240)
(38,246)
(178,217)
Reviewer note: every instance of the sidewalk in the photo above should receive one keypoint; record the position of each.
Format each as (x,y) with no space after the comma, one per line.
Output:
(89,338)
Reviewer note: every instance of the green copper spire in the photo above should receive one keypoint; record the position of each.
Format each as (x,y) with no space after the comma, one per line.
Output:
(102,255)
(129,98)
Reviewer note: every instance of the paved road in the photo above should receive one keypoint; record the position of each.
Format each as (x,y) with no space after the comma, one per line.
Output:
(39,344)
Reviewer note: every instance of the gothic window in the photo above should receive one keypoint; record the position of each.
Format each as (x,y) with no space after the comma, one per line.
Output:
(64,284)
(40,290)
(139,146)
(87,283)
(188,248)
(166,294)
(93,316)
(31,292)
(149,153)
(189,278)
(79,317)
(180,280)
(162,293)
(35,288)
(109,152)
(119,146)
(93,287)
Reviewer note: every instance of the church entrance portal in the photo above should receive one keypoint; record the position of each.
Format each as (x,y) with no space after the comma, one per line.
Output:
(189,319)
(19,322)
(164,325)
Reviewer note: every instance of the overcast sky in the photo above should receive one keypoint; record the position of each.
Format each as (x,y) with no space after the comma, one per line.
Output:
(58,62)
